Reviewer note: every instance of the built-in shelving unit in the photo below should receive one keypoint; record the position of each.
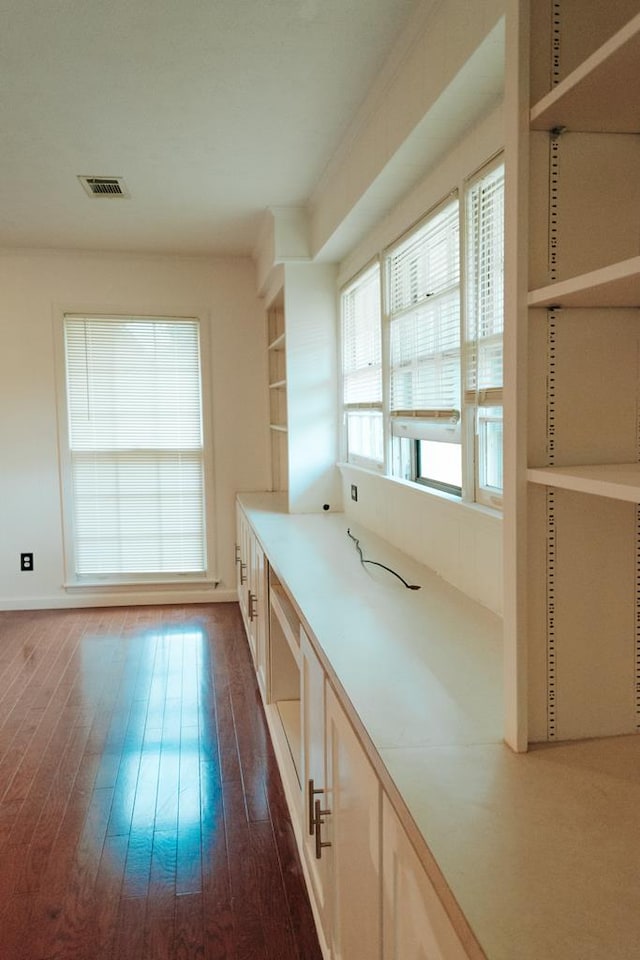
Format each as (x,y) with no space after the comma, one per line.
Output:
(583,519)
(602,94)
(278,415)
(284,632)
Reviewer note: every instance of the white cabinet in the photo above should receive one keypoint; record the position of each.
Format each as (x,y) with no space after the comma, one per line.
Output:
(353,829)
(312,691)
(370,896)
(341,845)
(242,547)
(251,578)
(258,612)
(415,924)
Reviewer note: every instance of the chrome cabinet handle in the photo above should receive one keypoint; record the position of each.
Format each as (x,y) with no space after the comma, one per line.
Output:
(253,613)
(243,572)
(312,790)
(237,546)
(319,814)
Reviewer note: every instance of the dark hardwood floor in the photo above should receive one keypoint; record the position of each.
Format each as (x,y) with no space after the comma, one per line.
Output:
(141,809)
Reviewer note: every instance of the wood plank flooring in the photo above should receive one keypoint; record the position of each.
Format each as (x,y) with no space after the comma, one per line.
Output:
(141,809)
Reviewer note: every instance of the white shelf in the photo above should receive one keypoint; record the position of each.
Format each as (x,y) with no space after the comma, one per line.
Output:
(277,344)
(602,94)
(289,712)
(617,285)
(287,619)
(618,481)
(277,427)
(278,385)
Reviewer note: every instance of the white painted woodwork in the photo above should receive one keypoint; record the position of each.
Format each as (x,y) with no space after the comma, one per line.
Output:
(597,204)
(286,617)
(485,824)
(414,922)
(312,691)
(578,367)
(311,375)
(243,562)
(515,338)
(618,481)
(589,98)
(260,613)
(617,285)
(353,829)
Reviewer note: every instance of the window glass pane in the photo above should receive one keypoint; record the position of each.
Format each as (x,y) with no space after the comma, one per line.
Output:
(364,434)
(424,316)
(403,458)
(490,448)
(440,463)
(361,340)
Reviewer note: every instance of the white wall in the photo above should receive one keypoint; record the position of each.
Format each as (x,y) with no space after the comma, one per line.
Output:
(36,287)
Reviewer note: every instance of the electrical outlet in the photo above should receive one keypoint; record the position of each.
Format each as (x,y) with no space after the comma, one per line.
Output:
(26,561)
(354,491)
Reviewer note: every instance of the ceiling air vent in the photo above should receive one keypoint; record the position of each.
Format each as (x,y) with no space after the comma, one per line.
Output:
(107,187)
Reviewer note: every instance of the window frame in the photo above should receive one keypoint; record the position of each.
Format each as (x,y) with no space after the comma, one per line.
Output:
(363,407)
(478,398)
(124,581)
(442,425)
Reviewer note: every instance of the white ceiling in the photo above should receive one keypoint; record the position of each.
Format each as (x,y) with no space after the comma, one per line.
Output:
(212,111)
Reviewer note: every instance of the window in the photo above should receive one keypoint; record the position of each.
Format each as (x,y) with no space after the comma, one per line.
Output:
(484,325)
(423,310)
(134,458)
(362,369)
(422,383)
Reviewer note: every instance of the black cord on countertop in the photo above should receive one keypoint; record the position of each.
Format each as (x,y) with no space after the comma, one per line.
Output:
(409,586)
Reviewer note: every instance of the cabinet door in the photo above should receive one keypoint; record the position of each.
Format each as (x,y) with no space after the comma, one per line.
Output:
(242,562)
(259,612)
(314,770)
(415,924)
(353,830)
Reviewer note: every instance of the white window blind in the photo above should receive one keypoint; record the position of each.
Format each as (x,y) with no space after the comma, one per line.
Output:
(424,316)
(362,365)
(134,404)
(485,289)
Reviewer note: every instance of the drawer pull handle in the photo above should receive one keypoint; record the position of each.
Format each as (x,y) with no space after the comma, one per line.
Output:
(319,814)
(312,790)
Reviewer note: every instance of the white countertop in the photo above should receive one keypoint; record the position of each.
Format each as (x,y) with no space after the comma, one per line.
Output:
(542,850)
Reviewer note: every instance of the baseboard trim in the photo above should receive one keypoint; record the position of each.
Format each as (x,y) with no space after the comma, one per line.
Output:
(137,599)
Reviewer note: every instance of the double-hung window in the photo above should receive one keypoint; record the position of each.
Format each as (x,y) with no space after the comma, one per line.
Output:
(133,451)
(362,369)
(484,325)
(423,313)
(423,402)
